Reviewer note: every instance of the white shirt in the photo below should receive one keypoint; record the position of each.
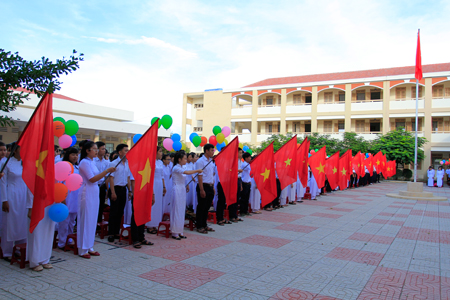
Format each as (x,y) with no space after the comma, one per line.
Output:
(239,168)
(208,172)
(246,172)
(102,165)
(122,172)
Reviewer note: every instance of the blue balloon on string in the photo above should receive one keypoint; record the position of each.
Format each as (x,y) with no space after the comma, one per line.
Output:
(192,136)
(176,138)
(58,212)
(220,146)
(177,146)
(74,140)
(245,148)
(136,137)
(367,155)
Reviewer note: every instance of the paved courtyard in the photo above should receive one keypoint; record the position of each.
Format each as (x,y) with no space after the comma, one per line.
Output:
(355,244)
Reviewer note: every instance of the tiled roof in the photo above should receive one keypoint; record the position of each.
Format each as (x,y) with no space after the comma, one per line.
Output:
(59,96)
(350,75)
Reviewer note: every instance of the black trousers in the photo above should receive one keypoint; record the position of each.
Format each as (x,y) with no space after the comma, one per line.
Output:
(276,201)
(203,204)
(137,232)
(353,181)
(116,211)
(245,196)
(233,208)
(221,203)
(101,207)
(362,180)
(327,186)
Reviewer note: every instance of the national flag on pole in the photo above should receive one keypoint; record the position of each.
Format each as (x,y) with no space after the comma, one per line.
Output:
(227,167)
(141,159)
(350,158)
(419,73)
(356,164)
(37,153)
(331,170)
(377,161)
(362,170)
(369,165)
(263,172)
(317,164)
(344,170)
(384,166)
(286,163)
(302,162)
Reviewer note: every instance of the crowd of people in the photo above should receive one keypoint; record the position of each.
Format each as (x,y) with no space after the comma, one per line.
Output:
(184,184)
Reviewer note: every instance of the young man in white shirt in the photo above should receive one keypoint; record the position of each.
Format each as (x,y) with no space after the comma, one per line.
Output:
(246,184)
(102,164)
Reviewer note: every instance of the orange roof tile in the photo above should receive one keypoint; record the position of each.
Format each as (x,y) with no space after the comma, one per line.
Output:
(59,96)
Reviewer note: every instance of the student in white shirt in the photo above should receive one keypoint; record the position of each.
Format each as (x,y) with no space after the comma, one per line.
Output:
(246,184)
(102,164)
(430,174)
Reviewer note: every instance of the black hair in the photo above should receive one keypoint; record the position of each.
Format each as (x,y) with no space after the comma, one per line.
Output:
(178,155)
(8,147)
(239,149)
(2,144)
(86,146)
(207,147)
(100,144)
(68,151)
(172,155)
(82,143)
(157,148)
(13,144)
(111,156)
(120,147)
(245,155)
(190,154)
(165,156)
(56,147)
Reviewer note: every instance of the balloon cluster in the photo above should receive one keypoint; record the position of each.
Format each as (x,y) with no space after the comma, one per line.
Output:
(65,132)
(367,155)
(69,181)
(165,121)
(174,143)
(313,151)
(218,139)
(445,162)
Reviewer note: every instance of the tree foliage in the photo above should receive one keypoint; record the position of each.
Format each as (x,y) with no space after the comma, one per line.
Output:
(36,76)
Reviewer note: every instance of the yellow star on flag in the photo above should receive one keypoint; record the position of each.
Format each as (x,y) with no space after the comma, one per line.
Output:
(344,171)
(146,174)
(40,170)
(388,169)
(359,165)
(288,162)
(334,170)
(266,174)
(321,168)
(378,162)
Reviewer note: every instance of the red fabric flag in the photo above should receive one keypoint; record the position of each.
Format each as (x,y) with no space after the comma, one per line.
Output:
(302,162)
(389,168)
(263,171)
(286,163)
(356,164)
(368,164)
(37,153)
(317,164)
(331,170)
(384,166)
(362,170)
(419,73)
(227,167)
(377,161)
(344,170)
(350,158)
(141,159)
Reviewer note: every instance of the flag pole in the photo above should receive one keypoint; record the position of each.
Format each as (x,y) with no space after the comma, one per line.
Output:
(417,123)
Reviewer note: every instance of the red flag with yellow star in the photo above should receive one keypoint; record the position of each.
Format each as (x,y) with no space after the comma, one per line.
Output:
(286,162)
(302,161)
(227,167)
(263,171)
(37,153)
(317,164)
(368,164)
(141,159)
(344,170)
(331,170)
(356,164)
(378,162)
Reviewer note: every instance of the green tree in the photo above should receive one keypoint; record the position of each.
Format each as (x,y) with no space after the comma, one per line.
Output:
(398,145)
(317,141)
(36,76)
(355,142)
(277,139)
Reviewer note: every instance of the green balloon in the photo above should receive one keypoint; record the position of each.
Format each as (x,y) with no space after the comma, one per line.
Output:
(154,120)
(71,127)
(217,130)
(197,140)
(250,151)
(166,121)
(59,119)
(316,150)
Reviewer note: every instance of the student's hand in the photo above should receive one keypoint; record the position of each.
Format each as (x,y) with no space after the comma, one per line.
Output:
(130,195)
(199,171)
(106,195)
(242,188)
(187,189)
(5,206)
(202,193)
(153,199)
(113,196)
(164,191)
(1,175)
(111,170)
(29,213)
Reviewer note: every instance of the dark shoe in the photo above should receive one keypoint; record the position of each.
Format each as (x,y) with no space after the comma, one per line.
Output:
(176,238)
(111,239)
(202,230)
(183,236)
(147,243)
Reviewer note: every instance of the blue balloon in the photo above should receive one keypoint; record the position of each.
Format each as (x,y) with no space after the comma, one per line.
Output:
(367,154)
(309,154)
(220,146)
(58,212)
(177,146)
(74,140)
(192,136)
(136,137)
(176,138)
(245,148)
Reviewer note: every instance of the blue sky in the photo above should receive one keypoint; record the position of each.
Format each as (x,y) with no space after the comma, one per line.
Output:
(143,55)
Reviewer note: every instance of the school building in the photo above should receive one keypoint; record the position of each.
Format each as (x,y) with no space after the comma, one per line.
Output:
(97,123)
(369,102)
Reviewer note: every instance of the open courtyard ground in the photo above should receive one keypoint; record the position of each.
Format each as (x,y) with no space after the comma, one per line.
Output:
(354,244)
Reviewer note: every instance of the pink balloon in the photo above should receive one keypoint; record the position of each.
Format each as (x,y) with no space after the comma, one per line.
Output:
(168,144)
(62,170)
(74,182)
(65,141)
(226,131)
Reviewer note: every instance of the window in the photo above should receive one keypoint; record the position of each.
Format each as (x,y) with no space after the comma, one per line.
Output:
(400,93)
(308,99)
(360,95)
(328,97)
(447,92)
(360,125)
(109,147)
(198,105)
(375,126)
(434,126)
(341,97)
(297,99)
(413,92)
(341,126)
(269,100)
(327,126)
(270,128)
(375,95)
(296,127)
(307,127)
(438,91)
(399,125)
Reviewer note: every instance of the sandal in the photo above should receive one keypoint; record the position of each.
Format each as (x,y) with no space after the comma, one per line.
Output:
(227,222)
(176,238)
(221,223)
(137,245)
(202,230)
(7,258)
(257,212)
(94,253)
(209,229)
(87,256)
(234,220)
(183,236)
(38,268)
(239,220)
(146,243)
(152,231)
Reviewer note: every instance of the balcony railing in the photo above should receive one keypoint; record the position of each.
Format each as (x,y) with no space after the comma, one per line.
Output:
(408,99)
(198,129)
(367,101)
(269,133)
(332,102)
(297,104)
(439,131)
(368,132)
(243,106)
(269,105)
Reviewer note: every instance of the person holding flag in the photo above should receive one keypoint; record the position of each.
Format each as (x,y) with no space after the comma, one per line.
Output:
(263,172)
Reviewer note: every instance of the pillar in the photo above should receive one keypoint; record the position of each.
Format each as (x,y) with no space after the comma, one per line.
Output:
(254,117)
(314,109)
(283,112)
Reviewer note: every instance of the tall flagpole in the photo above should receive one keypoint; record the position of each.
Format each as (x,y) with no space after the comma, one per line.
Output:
(418,76)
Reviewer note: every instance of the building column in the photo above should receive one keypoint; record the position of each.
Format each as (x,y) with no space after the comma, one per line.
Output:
(386,104)
(254,117)
(96,136)
(427,122)
(348,108)
(283,112)
(314,109)
(183,125)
